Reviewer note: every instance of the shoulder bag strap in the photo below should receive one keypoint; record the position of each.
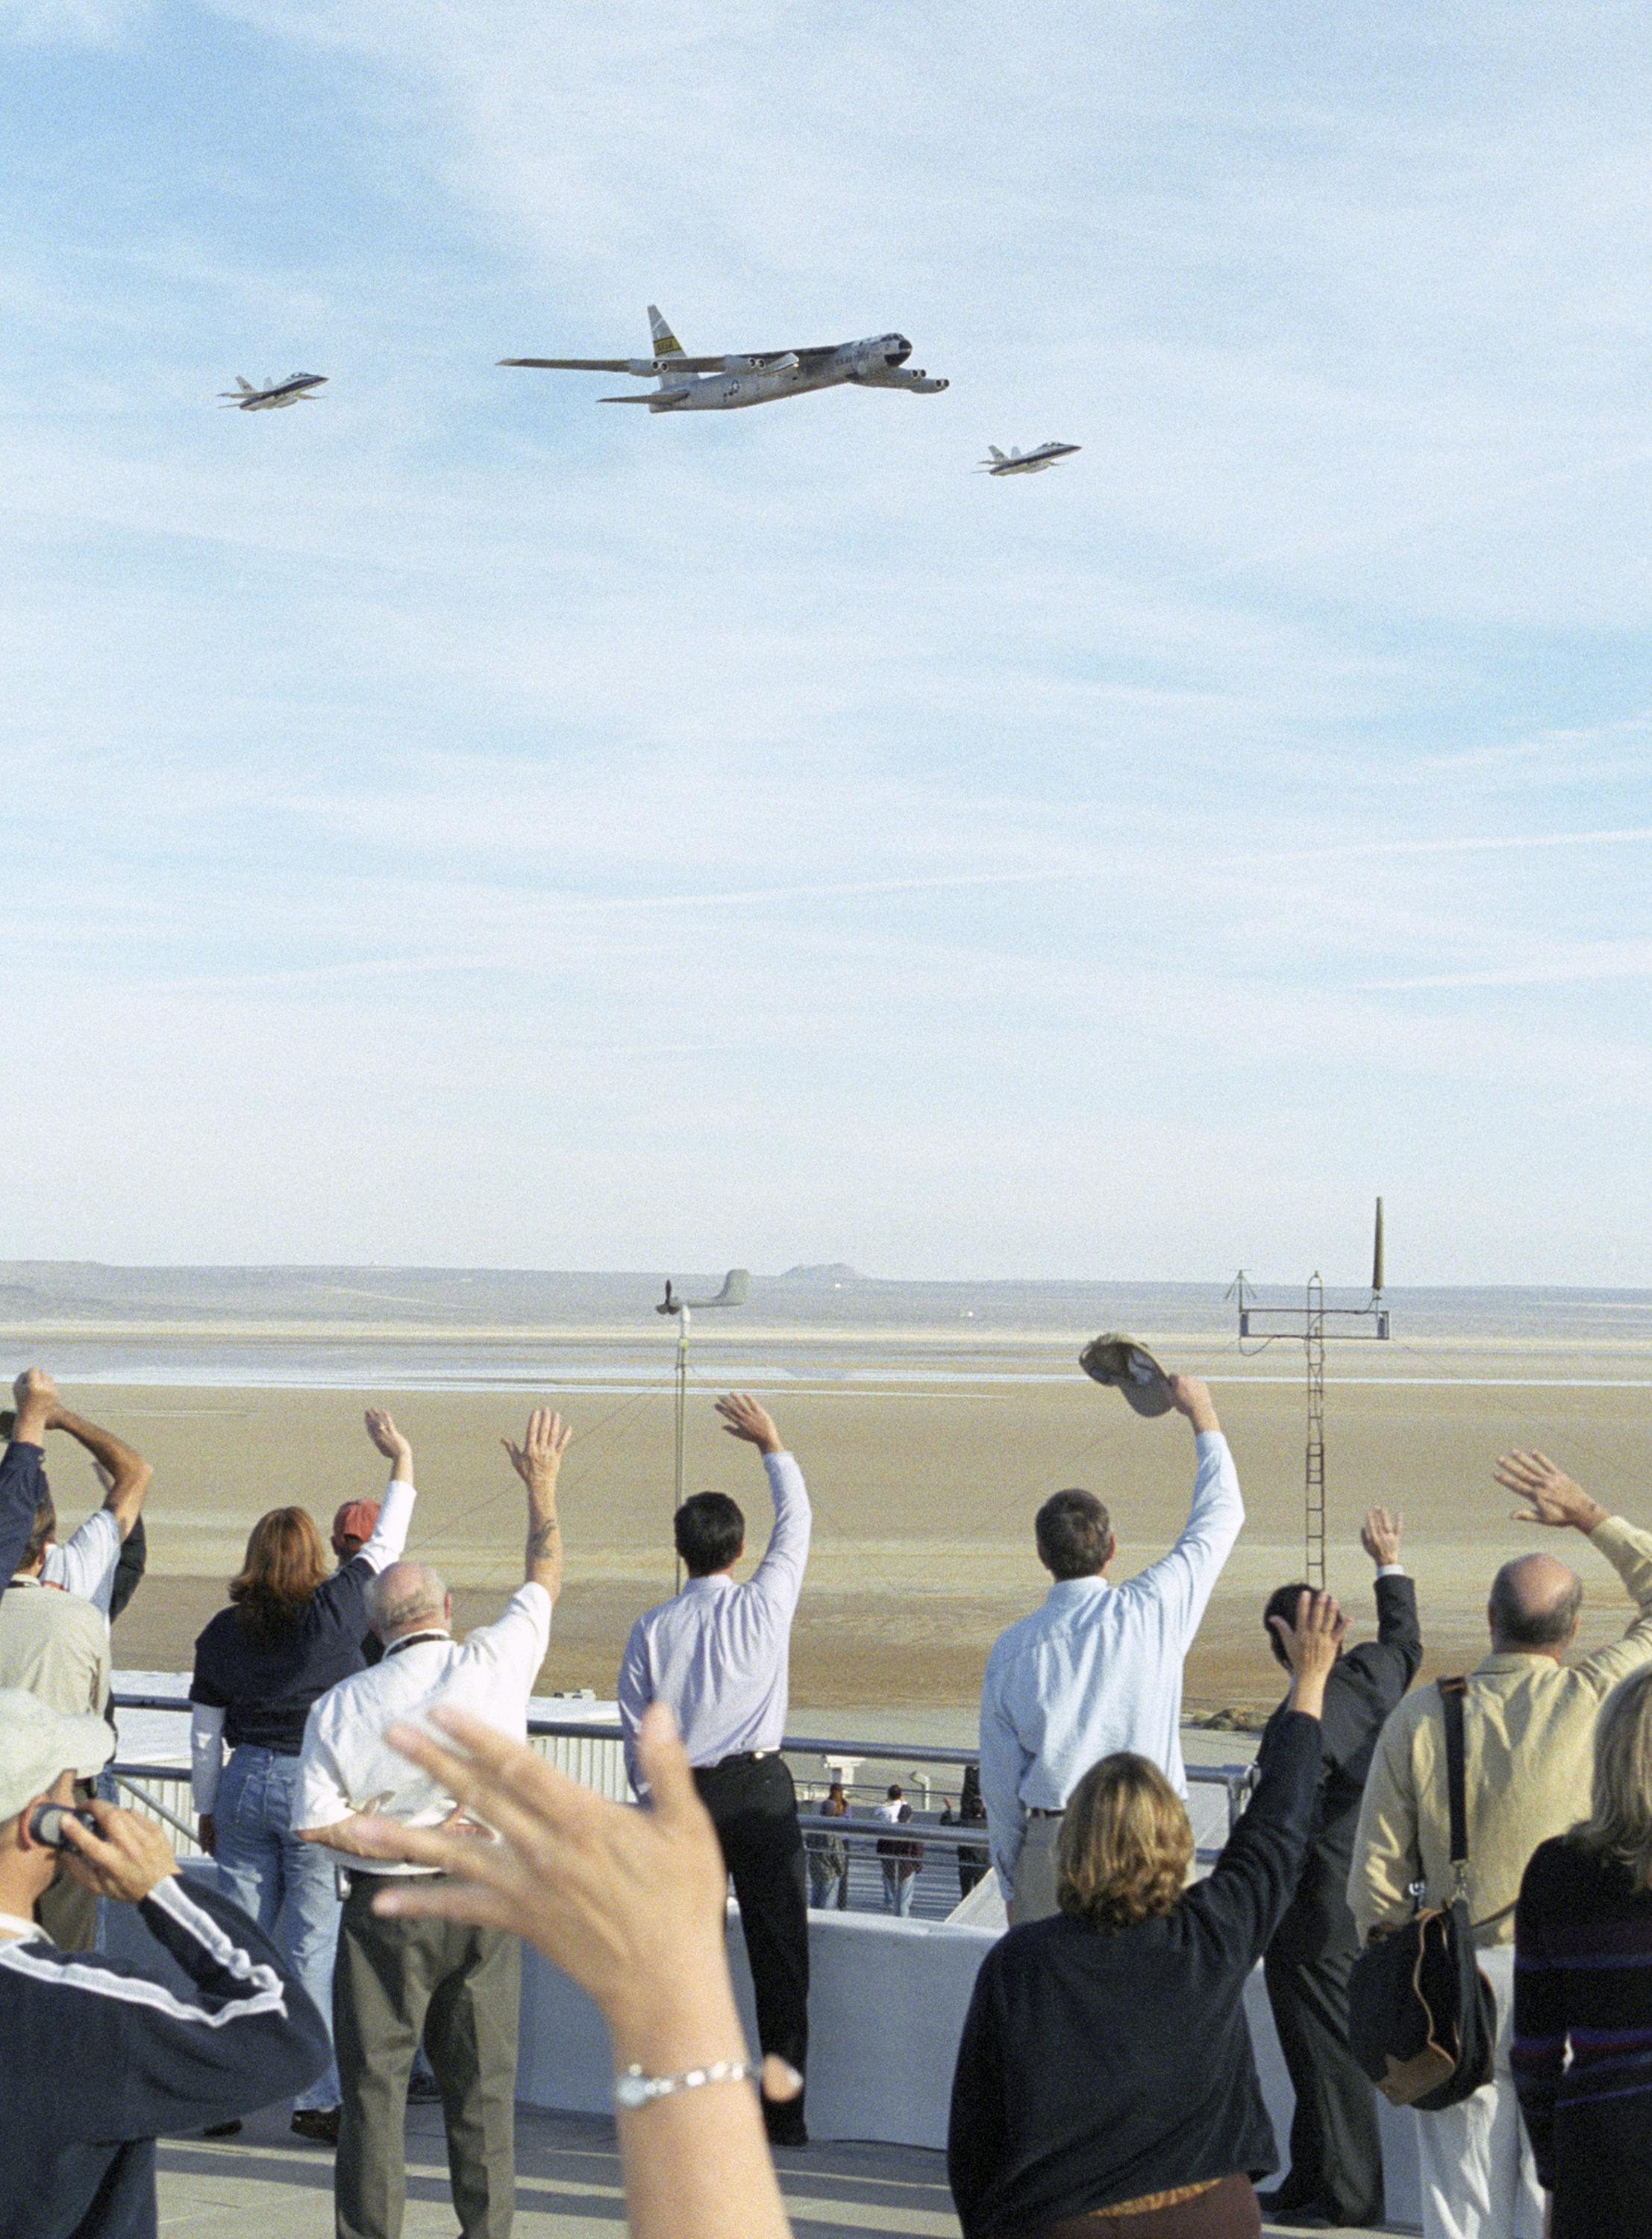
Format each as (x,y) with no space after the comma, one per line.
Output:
(1451,1696)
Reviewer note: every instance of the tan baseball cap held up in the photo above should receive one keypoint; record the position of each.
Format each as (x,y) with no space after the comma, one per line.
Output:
(1129,1368)
(37,1742)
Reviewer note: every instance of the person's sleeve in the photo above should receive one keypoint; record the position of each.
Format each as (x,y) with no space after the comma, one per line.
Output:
(319,1798)
(85,1564)
(1387,1857)
(1004,1766)
(636,1693)
(1399,1629)
(778,1580)
(1627,1548)
(1182,1581)
(23,1480)
(1244,1895)
(975,2128)
(390,1533)
(515,1644)
(206,1753)
(240,2033)
(1538,2053)
(129,1572)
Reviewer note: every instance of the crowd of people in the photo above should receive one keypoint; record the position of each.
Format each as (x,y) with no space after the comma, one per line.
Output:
(383,1841)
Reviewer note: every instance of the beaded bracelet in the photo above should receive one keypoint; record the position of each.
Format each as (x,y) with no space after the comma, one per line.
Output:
(633,2088)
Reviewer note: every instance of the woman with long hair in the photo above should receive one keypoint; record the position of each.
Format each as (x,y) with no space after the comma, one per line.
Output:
(1581,2053)
(1106,2086)
(291,1632)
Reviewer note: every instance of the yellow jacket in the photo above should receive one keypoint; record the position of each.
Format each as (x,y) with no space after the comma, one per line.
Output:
(1529,1749)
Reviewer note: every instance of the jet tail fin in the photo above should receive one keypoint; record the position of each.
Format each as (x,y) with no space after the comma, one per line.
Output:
(245,386)
(994,450)
(666,344)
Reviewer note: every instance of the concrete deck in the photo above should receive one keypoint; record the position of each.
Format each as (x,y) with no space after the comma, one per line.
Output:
(267,2184)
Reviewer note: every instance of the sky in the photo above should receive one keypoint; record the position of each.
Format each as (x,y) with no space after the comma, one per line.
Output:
(459,822)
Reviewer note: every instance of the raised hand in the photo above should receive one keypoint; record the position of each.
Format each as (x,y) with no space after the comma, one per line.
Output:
(622,1900)
(744,1418)
(1311,1644)
(35,1383)
(539,1457)
(1552,1497)
(388,1440)
(1379,1536)
(1191,1396)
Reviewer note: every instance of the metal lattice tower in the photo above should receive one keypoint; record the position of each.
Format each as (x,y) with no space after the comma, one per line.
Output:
(1314,1472)
(1266,1325)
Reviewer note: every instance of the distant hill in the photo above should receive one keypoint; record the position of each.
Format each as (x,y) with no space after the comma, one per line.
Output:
(834,1271)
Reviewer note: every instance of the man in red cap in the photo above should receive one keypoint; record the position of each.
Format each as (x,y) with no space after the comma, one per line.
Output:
(353,1527)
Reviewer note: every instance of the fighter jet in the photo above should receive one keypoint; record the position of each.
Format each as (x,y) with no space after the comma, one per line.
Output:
(724,384)
(274,394)
(1026,462)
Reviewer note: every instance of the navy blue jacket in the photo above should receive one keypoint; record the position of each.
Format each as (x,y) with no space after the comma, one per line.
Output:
(1099,2064)
(22,1485)
(99,2058)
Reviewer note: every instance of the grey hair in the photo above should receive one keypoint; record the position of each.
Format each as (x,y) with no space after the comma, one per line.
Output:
(1620,1820)
(1514,1619)
(398,1597)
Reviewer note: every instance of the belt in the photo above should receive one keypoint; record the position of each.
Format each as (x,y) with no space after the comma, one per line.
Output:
(740,1757)
(1038,1811)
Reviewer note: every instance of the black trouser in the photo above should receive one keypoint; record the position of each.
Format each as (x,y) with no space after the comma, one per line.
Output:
(754,1807)
(1336,2145)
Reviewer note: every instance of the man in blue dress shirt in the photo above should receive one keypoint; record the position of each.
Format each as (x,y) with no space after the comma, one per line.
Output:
(719,1654)
(1098,1668)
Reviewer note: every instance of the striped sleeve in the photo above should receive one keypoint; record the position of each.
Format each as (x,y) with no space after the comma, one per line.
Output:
(140,2052)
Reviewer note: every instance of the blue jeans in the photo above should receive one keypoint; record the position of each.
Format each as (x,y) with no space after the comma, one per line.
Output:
(900,1887)
(289,1887)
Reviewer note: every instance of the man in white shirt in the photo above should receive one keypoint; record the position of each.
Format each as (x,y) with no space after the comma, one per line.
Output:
(86,1563)
(394,1979)
(1098,1668)
(721,1655)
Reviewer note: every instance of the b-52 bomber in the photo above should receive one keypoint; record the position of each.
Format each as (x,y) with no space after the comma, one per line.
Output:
(1026,462)
(727,384)
(273,395)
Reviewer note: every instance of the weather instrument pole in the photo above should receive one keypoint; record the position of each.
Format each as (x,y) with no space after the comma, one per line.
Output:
(737,1288)
(1309,1326)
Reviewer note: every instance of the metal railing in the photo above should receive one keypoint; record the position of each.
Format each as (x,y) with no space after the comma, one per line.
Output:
(591,1750)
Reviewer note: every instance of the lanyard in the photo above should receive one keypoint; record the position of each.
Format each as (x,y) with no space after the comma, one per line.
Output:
(412,1640)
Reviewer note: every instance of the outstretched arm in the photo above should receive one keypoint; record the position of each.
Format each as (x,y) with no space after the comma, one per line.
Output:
(126,1474)
(538,1462)
(1558,1501)
(22,1476)
(1399,1636)
(1184,1579)
(778,1576)
(396,1509)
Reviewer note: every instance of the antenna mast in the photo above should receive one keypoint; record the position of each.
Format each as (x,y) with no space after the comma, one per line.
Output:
(1370,1321)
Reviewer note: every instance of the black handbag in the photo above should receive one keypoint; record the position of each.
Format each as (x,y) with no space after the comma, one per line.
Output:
(1422,2017)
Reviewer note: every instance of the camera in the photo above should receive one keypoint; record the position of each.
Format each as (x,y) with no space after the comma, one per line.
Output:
(46,1827)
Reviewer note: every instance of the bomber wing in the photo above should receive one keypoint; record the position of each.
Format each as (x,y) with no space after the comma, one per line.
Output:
(643,366)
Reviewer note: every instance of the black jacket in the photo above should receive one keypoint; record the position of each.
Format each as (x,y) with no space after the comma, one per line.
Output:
(1367,1682)
(100,2058)
(1100,2064)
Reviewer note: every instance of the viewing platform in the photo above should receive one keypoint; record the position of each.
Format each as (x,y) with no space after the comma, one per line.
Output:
(887,2002)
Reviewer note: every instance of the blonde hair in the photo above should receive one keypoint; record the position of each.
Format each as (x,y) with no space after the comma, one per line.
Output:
(1125,1844)
(1620,1822)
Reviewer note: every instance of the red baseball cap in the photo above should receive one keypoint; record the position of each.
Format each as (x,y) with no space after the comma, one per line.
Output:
(355,1520)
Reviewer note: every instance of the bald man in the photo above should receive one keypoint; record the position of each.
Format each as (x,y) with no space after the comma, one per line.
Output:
(397,1979)
(1529,1719)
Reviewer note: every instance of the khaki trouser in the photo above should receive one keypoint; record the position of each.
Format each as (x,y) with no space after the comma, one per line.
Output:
(461,1987)
(1035,1873)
